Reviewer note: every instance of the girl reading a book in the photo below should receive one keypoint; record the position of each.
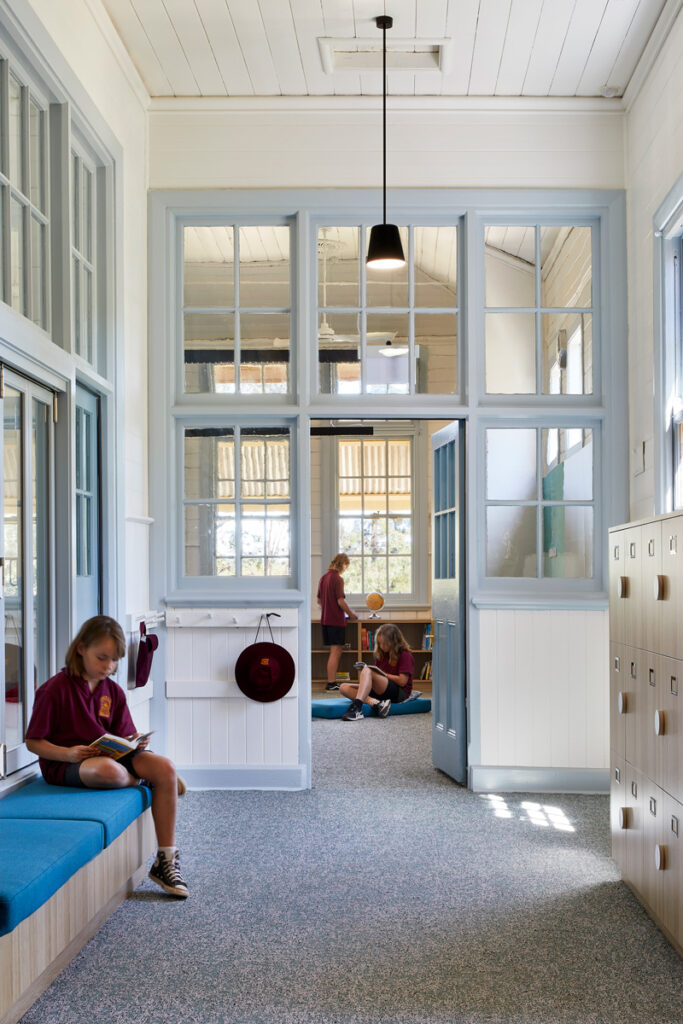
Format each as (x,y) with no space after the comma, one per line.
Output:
(389,681)
(79,705)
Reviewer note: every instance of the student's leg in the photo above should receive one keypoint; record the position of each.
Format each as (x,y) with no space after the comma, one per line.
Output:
(370,681)
(105,773)
(333,660)
(349,690)
(161,775)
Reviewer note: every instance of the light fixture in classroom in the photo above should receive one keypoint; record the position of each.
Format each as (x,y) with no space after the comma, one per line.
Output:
(385,251)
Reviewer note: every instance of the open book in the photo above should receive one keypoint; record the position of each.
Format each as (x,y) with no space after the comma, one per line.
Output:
(116,746)
(364,664)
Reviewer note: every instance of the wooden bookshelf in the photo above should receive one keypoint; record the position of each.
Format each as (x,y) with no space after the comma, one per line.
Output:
(412,629)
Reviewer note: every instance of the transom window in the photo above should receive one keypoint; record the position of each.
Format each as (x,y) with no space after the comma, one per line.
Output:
(539,310)
(540,515)
(24,209)
(388,332)
(375,514)
(236,309)
(237,502)
(83,256)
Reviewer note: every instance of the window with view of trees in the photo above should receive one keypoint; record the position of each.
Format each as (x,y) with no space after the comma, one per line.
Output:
(375,514)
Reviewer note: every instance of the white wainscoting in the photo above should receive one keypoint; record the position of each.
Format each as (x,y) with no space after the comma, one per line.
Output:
(218,737)
(544,700)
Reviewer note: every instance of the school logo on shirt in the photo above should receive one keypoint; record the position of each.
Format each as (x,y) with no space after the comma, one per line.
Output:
(105,706)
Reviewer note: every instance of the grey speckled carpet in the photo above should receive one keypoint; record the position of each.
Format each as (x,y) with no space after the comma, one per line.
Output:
(385,894)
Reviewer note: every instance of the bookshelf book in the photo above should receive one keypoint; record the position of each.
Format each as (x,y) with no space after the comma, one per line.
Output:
(361,645)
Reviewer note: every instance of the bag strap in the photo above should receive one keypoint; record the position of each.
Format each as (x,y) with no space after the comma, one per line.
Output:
(266,616)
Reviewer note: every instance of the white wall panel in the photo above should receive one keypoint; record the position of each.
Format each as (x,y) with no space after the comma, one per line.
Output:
(544,688)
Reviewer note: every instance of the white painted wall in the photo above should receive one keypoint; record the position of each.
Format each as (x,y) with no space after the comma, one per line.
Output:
(654,162)
(338,143)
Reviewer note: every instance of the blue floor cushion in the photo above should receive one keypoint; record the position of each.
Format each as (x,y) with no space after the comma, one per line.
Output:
(113,809)
(334,707)
(36,859)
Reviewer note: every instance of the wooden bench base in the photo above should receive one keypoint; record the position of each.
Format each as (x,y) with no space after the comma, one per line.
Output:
(43,944)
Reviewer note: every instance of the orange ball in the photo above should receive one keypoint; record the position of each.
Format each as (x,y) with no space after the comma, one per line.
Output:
(374,601)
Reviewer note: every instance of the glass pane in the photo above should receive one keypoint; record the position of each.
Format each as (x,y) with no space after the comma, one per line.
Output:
(399,494)
(568,475)
(16,134)
(277,532)
(566,267)
(436,264)
(436,353)
(568,541)
(209,464)
(2,243)
(353,577)
(76,303)
(75,200)
(388,287)
(38,303)
(265,467)
(387,354)
(37,154)
(510,541)
(375,461)
(209,353)
(86,214)
(210,540)
(253,532)
(400,535)
(209,266)
(375,575)
(374,497)
(264,267)
(15,695)
(338,266)
(350,535)
(399,458)
(338,354)
(87,321)
(264,353)
(400,575)
(375,535)
(511,464)
(17,249)
(510,263)
(567,347)
(510,353)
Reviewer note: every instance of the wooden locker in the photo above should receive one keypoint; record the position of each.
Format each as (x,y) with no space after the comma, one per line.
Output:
(618,699)
(619,812)
(654,859)
(669,737)
(633,610)
(648,678)
(618,586)
(632,871)
(633,664)
(672,571)
(653,587)
(672,840)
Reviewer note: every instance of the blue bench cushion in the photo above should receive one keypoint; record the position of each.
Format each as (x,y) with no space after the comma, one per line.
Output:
(36,859)
(114,809)
(334,707)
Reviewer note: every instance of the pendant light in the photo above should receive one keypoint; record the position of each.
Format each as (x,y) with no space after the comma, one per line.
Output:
(385,251)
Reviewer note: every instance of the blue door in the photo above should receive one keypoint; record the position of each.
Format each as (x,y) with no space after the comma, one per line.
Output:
(449,684)
(88,601)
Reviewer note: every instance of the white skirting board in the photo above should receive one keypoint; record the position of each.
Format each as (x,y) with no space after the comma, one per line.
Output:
(262,776)
(496,779)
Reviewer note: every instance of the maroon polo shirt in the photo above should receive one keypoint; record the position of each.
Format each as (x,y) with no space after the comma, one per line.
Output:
(404,666)
(330,589)
(67,714)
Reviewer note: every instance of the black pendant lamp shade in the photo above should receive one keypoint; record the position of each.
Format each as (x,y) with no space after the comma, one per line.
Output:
(385,251)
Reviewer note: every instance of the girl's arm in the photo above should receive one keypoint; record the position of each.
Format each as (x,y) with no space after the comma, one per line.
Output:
(51,752)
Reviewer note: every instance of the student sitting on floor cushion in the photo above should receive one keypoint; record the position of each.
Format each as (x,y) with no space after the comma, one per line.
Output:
(389,681)
(79,705)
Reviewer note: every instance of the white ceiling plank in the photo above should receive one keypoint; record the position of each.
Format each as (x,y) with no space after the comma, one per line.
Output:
(170,54)
(196,46)
(309,26)
(340,23)
(284,46)
(550,36)
(228,53)
(402,83)
(578,42)
(253,41)
(610,35)
(142,52)
(488,46)
(461,27)
(639,32)
(430,22)
(521,31)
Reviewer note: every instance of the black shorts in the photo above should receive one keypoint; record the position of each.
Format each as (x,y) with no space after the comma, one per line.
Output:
(334,636)
(395,693)
(72,775)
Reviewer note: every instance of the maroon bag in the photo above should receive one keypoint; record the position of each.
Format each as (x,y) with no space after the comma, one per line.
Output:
(146,649)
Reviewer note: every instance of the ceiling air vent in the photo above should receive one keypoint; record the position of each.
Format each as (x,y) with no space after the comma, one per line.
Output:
(366,54)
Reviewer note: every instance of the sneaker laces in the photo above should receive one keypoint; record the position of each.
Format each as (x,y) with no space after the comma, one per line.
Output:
(171,868)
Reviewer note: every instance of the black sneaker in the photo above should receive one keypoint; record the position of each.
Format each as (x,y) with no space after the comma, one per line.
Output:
(355,712)
(382,708)
(166,873)
(331,686)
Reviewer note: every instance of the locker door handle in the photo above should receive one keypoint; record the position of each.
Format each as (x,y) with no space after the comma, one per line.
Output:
(674,686)
(660,857)
(622,586)
(622,702)
(651,677)
(624,817)
(659,588)
(651,547)
(660,722)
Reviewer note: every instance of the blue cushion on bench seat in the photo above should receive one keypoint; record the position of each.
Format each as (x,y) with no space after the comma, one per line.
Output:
(114,809)
(335,707)
(37,858)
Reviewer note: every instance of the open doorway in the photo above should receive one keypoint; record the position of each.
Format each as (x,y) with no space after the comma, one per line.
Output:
(372,493)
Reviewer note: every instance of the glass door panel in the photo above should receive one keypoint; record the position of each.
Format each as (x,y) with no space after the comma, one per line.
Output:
(13,538)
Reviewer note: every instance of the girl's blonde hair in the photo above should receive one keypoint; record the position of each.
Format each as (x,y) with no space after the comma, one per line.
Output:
(397,642)
(340,561)
(90,632)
